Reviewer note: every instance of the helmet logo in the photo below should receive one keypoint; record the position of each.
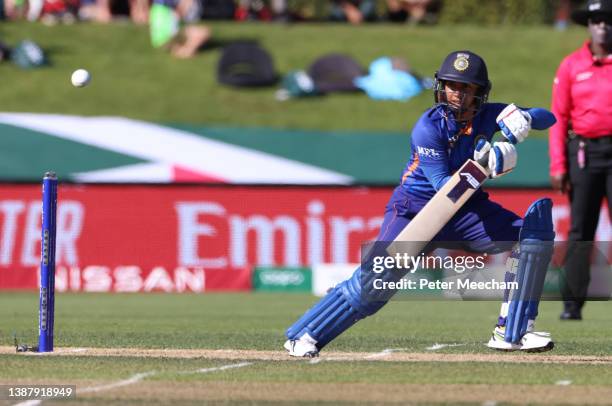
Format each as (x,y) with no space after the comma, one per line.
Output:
(461,63)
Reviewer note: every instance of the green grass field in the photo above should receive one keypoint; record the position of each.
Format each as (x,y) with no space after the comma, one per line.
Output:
(143,349)
(172,337)
(131,79)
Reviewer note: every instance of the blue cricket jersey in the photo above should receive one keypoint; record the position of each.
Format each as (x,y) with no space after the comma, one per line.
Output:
(440,145)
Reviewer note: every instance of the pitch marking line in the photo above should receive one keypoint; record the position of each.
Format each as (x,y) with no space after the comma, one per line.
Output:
(135,379)
(29,403)
(437,346)
(221,368)
(377,355)
(384,353)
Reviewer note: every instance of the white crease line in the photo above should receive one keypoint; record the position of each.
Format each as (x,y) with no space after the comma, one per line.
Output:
(137,378)
(384,353)
(319,359)
(437,346)
(221,368)
(133,379)
(29,403)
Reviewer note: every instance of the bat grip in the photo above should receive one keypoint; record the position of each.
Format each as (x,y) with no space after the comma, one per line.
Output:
(484,161)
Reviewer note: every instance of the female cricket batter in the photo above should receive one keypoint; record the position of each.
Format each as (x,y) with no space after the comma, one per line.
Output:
(459,126)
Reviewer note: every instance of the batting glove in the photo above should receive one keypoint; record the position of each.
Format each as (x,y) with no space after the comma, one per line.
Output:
(481,149)
(514,123)
(502,159)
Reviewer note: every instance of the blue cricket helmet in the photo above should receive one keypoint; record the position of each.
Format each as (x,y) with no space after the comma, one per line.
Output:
(463,67)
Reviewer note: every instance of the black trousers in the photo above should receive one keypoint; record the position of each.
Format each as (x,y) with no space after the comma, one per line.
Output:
(591,182)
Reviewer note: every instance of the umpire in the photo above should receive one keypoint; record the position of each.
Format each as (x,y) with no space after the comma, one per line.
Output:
(581,144)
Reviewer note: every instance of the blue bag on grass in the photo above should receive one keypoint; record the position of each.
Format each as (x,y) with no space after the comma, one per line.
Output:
(28,55)
(386,83)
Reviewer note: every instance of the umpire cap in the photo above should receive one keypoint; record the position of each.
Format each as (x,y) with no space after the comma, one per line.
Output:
(591,8)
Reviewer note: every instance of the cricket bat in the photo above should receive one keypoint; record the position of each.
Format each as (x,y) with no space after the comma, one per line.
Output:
(442,207)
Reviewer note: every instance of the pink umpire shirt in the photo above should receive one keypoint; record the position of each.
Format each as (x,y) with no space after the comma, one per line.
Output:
(581,100)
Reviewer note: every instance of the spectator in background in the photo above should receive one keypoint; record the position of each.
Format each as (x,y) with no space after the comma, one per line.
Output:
(261,10)
(280,10)
(353,11)
(20,9)
(581,144)
(102,10)
(218,9)
(50,12)
(410,11)
(53,11)
(165,18)
(562,14)
(95,10)
(252,10)
(13,9)
(139,11)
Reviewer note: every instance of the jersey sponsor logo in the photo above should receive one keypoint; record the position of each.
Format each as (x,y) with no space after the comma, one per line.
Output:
(428,152)
(583,76)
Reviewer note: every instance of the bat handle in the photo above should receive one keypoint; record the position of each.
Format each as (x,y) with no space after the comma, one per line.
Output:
(484,161)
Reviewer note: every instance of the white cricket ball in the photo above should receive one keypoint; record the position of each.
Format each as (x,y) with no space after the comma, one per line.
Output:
(80,78)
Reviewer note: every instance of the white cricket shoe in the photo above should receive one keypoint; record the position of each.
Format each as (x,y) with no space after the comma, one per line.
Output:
(537,342)
(530,342)
(305,347)
(497,341)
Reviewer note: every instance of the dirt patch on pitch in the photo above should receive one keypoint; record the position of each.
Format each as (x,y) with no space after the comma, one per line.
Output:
(356,392)
(387,355)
